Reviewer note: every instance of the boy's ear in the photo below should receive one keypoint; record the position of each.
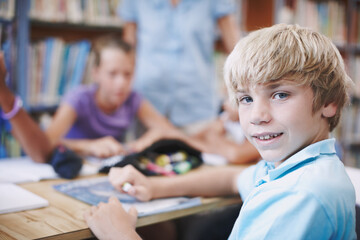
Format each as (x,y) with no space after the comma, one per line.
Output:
(329,110)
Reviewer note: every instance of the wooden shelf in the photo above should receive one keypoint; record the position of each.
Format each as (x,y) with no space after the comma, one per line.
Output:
(355,146)
(69,31)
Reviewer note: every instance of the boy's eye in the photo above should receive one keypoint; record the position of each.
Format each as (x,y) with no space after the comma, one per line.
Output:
(280,95)
(245,100)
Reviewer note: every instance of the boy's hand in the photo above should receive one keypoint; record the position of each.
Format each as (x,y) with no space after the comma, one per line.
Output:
(105,147)
(141,186)
(111,221)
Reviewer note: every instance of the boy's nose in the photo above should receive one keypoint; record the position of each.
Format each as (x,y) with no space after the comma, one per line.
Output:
(260,113)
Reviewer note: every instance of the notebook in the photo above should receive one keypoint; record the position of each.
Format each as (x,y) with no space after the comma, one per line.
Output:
(14,199)
(96,190)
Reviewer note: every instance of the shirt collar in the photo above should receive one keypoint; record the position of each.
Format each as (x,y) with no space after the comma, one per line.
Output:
(310,153)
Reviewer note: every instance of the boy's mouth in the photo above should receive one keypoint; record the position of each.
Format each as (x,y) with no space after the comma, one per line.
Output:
(267,136)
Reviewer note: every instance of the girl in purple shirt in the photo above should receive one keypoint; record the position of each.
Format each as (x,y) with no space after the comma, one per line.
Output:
(93,119)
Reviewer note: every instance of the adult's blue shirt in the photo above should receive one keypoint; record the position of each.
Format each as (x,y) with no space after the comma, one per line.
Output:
(174,68)
(309,196)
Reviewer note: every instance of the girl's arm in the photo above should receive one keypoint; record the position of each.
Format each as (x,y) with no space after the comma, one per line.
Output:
(64,118)
(61,123)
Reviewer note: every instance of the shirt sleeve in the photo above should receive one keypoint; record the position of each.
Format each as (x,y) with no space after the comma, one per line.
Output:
(247,180)
(137,99)
(223,7)
(127,10)
(276,214)
(74,98)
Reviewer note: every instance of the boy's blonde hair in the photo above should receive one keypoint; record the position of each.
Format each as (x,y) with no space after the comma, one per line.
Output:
(291,52)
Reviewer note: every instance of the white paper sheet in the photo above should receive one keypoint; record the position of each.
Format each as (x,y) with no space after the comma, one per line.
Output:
(14,199)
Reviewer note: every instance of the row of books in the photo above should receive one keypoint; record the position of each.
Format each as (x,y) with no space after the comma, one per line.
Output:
(94,12)
(350,132)
(7,9)
(327,17)
(356,36)
(355,74)
(54,68)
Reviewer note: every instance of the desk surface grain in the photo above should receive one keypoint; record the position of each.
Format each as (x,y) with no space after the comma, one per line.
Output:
(63,218)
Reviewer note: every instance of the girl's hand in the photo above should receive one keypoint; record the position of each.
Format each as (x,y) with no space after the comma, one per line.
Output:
(104,147)
(140,185)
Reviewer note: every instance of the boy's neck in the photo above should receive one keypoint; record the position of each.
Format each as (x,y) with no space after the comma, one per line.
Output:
(276,164)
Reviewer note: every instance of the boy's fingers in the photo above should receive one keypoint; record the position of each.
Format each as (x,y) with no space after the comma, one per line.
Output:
(133,212)
(87,215)
(140,193)
(114,200)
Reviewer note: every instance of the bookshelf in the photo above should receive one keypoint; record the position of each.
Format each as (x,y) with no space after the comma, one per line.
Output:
(60,36)
(45,32)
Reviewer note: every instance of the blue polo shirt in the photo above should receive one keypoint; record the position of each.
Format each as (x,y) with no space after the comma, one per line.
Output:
(309,196)
(174,62)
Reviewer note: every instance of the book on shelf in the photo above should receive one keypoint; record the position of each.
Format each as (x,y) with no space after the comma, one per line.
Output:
(7,9)
(327,17)
(90,12)
(55,67)
(80,64)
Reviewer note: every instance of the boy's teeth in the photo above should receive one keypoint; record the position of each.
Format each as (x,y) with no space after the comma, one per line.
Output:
(267,137)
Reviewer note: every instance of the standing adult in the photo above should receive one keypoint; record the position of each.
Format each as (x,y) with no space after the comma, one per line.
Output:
(174,41)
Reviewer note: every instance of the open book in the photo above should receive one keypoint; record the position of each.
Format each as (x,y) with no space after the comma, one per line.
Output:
(96,190)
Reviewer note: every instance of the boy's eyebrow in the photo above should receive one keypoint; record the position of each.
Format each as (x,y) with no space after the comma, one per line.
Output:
(241,91)
(273,86)
(279,83)
(268,85)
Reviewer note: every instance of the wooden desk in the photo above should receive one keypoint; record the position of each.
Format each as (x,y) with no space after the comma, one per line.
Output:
(63,218)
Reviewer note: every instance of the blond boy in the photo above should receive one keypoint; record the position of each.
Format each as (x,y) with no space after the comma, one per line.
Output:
(290,85)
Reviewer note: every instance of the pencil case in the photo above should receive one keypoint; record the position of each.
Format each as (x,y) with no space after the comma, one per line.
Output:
(66,163)
(165,157)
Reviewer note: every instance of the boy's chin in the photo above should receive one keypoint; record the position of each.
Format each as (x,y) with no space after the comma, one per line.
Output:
(274,158)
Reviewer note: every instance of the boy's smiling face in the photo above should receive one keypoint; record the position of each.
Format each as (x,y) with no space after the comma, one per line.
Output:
(278,120)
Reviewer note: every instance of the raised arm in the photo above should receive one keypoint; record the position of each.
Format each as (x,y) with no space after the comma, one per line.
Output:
(32,139)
